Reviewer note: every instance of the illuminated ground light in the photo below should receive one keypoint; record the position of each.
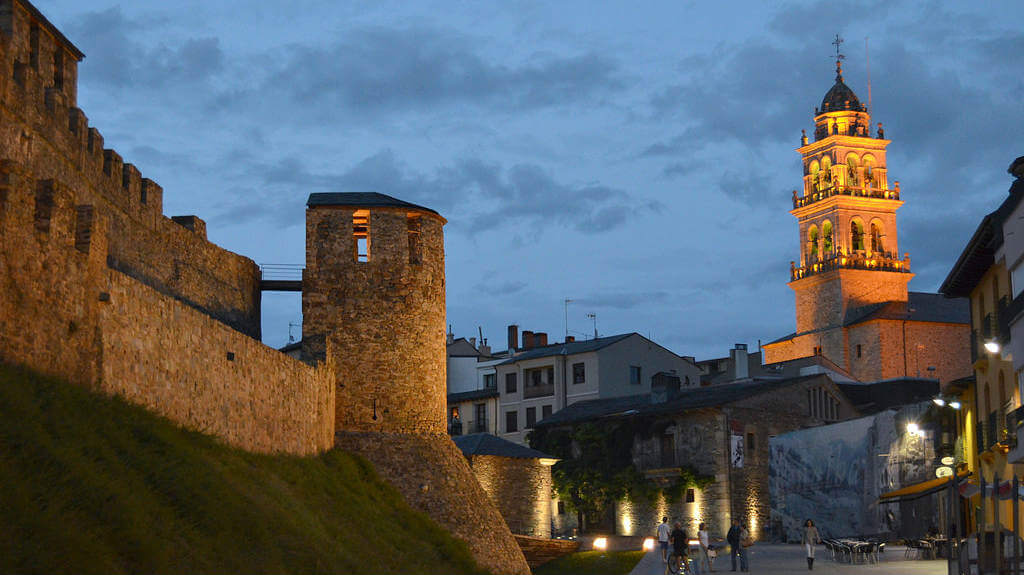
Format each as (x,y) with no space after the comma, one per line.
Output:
(649,544)
(601,543)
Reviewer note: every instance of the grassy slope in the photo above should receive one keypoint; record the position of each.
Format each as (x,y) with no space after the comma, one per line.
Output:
(91,484)
(592,563)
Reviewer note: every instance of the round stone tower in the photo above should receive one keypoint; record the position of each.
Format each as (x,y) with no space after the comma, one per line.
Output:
(373,307)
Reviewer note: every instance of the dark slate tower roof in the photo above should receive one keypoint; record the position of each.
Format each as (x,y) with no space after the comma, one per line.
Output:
(361,200)
(840,97)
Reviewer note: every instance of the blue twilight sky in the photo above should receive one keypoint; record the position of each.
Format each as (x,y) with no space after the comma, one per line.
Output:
(635,157)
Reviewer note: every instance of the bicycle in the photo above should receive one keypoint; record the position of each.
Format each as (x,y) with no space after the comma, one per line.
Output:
(678,564)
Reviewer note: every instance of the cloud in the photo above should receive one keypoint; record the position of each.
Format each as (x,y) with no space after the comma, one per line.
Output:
(376,70)
(623,300)
(119,57)
(474,194)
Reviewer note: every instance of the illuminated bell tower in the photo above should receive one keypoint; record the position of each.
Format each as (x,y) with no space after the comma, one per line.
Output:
(849,255)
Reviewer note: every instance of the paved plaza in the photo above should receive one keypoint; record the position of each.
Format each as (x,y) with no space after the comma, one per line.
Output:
(767,559)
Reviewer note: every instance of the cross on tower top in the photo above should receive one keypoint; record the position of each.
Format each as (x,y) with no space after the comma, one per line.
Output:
(837,42)
(839,58)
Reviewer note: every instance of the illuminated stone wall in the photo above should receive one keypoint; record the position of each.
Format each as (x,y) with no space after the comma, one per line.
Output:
(435,478)
(520,488)
(385,318)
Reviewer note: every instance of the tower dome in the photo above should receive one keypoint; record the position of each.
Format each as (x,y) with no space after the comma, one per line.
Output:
(840,97)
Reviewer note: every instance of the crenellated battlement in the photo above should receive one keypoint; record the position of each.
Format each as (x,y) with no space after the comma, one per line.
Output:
(44,130)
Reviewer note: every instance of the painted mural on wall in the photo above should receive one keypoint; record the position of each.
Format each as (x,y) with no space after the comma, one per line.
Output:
(835,473)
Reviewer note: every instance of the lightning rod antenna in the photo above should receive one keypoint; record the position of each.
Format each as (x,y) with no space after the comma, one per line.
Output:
(867,59)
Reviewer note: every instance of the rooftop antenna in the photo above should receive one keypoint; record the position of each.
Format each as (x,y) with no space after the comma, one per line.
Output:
(567,302)
(867,59)
(593,316)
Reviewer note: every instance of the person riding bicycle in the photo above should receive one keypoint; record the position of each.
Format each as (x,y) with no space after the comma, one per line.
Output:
(680,550)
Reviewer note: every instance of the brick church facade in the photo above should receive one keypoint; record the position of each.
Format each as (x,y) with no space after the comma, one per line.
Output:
(852,302)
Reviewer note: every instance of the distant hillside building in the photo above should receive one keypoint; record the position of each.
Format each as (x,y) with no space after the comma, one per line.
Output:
(852,302)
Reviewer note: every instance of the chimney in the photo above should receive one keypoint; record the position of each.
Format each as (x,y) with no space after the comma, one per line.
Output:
(513,338)
(527,339)
(738,355)
(450,336)
(540,339)
(484,348)
(664,387)
(472,342)
(570,338)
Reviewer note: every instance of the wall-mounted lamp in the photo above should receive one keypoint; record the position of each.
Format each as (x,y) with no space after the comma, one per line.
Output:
(992,346)
(939,401)
(954,404)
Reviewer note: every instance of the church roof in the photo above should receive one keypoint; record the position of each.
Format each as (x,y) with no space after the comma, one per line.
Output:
(840,97)
(920,306)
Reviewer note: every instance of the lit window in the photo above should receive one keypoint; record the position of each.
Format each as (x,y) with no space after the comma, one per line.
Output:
(361,234)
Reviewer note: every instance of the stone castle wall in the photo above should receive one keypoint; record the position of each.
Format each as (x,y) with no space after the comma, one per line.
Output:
(521,488)
(384,317)
(435,478)
(66,313)
(42,130)
(194,370)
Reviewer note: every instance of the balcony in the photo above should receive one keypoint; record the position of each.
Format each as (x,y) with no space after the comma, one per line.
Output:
(852,191)
(479,426)
(540,390)
(882,261)
(1015,428)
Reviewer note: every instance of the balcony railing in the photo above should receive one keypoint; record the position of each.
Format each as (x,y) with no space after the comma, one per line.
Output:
(834,190)
(541,390)
(886,261)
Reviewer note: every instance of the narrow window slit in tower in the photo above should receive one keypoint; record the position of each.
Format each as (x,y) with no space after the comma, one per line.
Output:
(44,205)
(413,228)
(33,47)
(58,68)
(361,234)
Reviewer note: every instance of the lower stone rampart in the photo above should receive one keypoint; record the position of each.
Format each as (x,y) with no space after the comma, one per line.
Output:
(434,477)
(197,371)
(539,550)
(521,488)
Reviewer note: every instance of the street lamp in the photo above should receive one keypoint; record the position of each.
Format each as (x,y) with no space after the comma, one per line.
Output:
(992,346)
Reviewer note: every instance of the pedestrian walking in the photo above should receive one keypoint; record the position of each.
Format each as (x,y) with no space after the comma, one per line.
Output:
(811,537)
(745,542)
(703,560)
(663,534)
(733,537)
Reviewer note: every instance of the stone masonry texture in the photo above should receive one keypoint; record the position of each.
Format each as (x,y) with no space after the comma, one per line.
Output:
(434,477)
(521,488)
(384,318)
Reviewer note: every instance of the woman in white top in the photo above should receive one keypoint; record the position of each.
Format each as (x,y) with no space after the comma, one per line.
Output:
(703,560)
